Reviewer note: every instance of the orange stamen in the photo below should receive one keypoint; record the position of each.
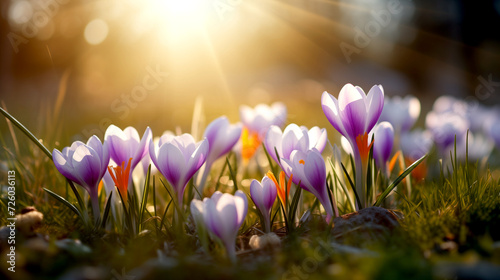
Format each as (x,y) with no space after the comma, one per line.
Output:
(250,142)
(302,162)
(363,147)
(282,193)
(392,162)
(120,176)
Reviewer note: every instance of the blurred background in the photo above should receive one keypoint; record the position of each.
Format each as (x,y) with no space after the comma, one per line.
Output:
(71,68)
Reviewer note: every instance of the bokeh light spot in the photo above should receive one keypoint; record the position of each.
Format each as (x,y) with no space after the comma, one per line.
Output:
(96,31)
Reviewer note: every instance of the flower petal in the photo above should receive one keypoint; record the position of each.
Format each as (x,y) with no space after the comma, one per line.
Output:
(375,105)
(331,109)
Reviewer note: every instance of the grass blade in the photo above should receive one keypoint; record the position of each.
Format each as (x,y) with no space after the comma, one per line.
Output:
(352,185)
(106,210)
(26,132)
(233,176)
(65,202)
(398,180)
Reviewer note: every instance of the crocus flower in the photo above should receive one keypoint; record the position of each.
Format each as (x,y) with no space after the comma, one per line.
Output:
(354,115)
(126,144)
(282,187)
(223,216)
(84,164)
(294,138)
(221,136)
(309,171)
(263,195)
(178,158)
(256,122)
(494,132)
(416,144)
(382,146)
(402,113)
(444,127)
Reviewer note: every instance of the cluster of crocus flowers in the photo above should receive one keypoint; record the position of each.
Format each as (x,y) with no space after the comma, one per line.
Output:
(256,121)
(263,195)
(84,164)
(222,215)
(178,158)
(354,114)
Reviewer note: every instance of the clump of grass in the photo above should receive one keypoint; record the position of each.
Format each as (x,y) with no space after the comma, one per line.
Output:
(461,205)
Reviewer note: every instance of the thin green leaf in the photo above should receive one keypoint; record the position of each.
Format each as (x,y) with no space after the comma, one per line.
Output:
(352,186)
(144,200)
(233,175)
(106,210)
(220,175)
(65,202)
(273,169)
(26,132)
(398,180)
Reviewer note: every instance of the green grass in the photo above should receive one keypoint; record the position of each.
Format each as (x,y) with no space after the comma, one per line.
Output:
(460,207)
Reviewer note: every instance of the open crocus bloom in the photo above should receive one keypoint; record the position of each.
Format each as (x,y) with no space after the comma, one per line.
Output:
(354,115)
(256,122)
(84,164)
(294,138)
(223,215)
(178,158)
(402,113)
(126,144)
(308,169)
(263,195)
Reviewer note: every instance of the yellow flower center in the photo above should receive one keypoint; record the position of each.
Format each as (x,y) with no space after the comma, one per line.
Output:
(250,142)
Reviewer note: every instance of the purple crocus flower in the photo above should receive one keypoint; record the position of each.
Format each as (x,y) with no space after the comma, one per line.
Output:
(178,158)
(416,144)
(354,115)
(223,216)
(263,196)
(84,164)
(294,138)
(259,119)
(494,132)
(383,142)
(444,127)
(308,169)
(221,136)
(402,113)
(126,144)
